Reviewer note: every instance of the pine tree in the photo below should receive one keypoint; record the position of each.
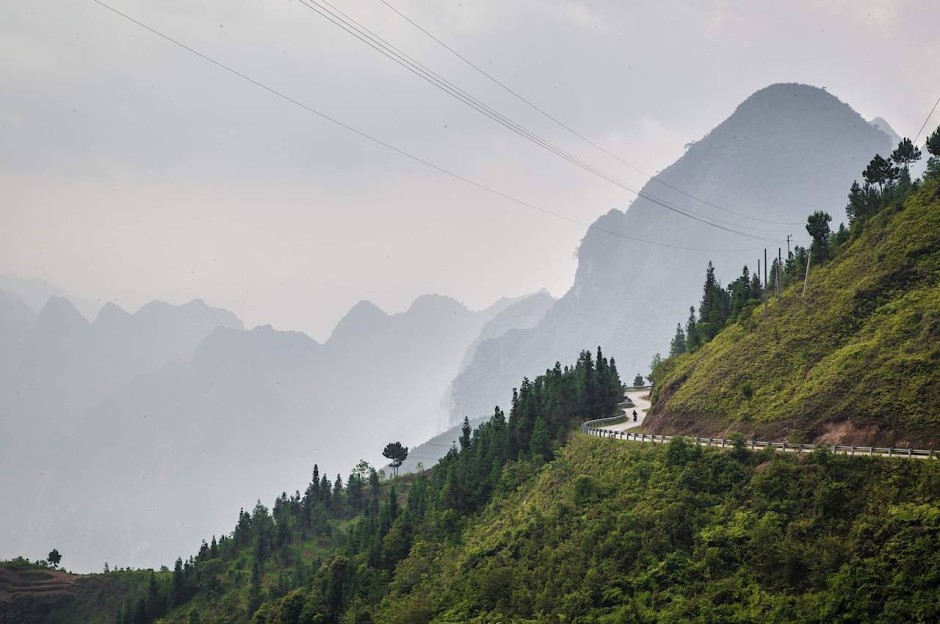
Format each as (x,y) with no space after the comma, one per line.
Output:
(817,225)
(881,172)
(862,202)
(397,453)
(933,148)
(691,335)
(906,153)
(540,444)
(933,143)
(465,434)
(678,345)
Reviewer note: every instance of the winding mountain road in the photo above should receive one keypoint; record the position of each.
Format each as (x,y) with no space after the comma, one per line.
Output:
(641,402)
(640,399)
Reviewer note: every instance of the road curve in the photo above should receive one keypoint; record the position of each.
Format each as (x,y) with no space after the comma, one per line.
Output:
(641,402)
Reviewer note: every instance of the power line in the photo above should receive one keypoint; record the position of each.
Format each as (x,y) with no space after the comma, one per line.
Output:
(397,150)
(572,130)
(929,115)
(350,26)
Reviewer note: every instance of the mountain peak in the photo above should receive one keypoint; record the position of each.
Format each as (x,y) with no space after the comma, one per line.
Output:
(60,311)
(435,304)
(111,314)
(362,317)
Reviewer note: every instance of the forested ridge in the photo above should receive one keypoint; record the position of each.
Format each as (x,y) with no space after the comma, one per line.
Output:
(845,352)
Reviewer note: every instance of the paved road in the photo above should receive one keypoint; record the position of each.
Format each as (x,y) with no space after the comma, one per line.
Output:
(624,431)
(640,400)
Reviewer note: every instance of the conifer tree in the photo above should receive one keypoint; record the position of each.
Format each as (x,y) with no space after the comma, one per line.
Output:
(677,346)
(906,153)
(817,225)
(540,444)
(933,143)
(691,336)
(396,453)
(881,172)
(465,434)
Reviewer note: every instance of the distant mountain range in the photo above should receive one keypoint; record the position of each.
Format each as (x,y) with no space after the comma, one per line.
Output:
(107,424)
(787,150)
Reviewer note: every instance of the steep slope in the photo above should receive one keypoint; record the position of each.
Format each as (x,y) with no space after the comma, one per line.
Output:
(785,151)
(622,532)
(855,361)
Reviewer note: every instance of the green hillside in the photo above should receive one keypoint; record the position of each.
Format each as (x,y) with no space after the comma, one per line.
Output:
(624,532)
(856,360)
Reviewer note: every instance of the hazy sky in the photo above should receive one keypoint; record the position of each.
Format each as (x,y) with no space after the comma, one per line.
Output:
(131,170)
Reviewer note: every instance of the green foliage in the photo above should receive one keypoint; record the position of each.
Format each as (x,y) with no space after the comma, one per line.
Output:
(859,353)
(54,558)
(933,143)
(397,453)
(881,172)
(614,532)
(906,153)
(331,554)
(817,225)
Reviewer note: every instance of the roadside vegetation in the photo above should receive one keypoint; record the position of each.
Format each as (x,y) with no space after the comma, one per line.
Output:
(856,357)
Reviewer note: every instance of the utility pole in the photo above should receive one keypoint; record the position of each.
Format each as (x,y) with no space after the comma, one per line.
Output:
(779,271)
(765,268)
(809,257)
(765,279)
(788,246)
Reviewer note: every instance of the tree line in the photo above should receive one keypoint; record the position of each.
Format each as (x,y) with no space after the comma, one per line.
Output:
(887,182)
(329,553)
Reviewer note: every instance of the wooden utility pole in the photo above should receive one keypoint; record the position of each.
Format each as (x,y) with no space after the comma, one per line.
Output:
(765,268)
(779,271)
(788,246)
(765,279)
(809,258)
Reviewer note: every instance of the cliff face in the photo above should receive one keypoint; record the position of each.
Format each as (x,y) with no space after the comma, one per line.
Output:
(786,151)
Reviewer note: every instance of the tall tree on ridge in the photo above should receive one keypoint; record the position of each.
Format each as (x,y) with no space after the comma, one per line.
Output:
(817,225)
(397,453)
(906,153)
(881,172)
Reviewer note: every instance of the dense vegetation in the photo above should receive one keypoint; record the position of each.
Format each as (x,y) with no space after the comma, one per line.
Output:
(329,554)
(856,358)
(625,532)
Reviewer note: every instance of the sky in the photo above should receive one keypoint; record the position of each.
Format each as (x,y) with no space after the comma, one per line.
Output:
(132,169)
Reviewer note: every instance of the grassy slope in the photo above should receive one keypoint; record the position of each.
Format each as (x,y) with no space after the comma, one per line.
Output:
(614,532)
(857,359)
(70,598)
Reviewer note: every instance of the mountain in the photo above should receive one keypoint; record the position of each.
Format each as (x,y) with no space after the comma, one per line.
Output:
(36,292)
(785,151)
(57,368)
(205,415)
(854,361)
